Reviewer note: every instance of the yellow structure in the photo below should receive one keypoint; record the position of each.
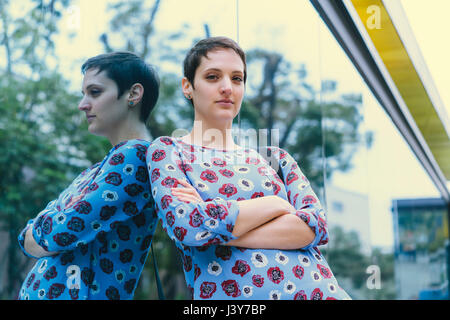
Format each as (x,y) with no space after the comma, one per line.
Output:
(432,124)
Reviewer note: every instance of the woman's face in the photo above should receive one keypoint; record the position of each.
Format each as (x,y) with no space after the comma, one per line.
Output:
(104,112)
(219,87)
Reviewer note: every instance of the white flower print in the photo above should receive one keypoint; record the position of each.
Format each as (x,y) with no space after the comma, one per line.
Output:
(301,186)
(214,268)
(241,169)
(304,260)
(259,259)
(145,196)
(120,275)
(211,223)
(316,276)
(205,165)
(109,195)
(202,235)
(95,225)
(60,218)
(321,213)
(281,258)
(128,169)
(247,291)
(38,231)
(289,287)
(245,184)
(332,287)
(228,157)
(181,210)
(43,266)
(267,184)
(170,167)
(318,257)
(154,192)
(133,269)
(275,295)
(95,287)
(41,294)
(284,163)
(113,245)
(200,186)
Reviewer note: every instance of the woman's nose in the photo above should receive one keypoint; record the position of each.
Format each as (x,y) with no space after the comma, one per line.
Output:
(225,87)
(84,105)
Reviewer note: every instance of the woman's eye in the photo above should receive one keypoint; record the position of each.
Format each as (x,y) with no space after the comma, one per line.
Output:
(95,92)
(211,77)
(238,79)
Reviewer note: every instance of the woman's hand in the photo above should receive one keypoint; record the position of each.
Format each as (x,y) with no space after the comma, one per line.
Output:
(186,194)
(32,248)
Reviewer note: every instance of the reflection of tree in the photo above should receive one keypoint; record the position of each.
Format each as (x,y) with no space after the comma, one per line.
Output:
(283,99)
(43,144)
(424,231)
(347,261)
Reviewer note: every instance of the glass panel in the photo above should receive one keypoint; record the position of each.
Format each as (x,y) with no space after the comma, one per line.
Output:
(374,174)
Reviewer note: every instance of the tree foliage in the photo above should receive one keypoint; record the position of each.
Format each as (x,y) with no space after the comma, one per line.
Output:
(43,141)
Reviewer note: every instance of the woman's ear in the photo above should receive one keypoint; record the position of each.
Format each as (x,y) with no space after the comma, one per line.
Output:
(187,88)
(136,94)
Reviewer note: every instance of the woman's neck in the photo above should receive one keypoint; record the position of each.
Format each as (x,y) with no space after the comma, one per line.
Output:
(139,131)
(215,137)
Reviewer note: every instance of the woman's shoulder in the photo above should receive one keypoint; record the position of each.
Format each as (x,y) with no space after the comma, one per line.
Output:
(132,143)
(130,149)
(163,142)
(273,152)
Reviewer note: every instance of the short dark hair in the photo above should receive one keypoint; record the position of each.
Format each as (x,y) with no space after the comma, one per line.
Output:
(126,69)
(201,49)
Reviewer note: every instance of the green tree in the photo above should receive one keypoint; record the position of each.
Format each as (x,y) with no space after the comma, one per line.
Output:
(43,141)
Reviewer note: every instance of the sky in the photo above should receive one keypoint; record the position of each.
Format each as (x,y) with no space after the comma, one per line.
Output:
(387,170)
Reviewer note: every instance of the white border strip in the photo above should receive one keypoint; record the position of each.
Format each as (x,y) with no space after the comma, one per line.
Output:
(406,34)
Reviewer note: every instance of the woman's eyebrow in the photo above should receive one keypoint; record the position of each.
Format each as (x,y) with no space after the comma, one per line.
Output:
(89,86)
(212,69)
(219,70)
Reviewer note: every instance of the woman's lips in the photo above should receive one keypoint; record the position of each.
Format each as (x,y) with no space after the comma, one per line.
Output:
(89,118)
(225,102)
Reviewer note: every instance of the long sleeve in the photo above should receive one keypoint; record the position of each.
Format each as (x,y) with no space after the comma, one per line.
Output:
(51,206)
(99,203)
(192,224)
(302,197)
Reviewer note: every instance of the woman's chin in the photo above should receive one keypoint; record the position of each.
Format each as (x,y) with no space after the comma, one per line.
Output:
(93,130)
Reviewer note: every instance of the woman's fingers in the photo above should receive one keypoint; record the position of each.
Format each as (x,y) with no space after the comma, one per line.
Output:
(181,195)
(188,189)
(184,183)
(190,193)
(187,198)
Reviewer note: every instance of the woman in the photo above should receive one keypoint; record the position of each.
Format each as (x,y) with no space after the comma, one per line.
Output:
(254,236)
(92,241)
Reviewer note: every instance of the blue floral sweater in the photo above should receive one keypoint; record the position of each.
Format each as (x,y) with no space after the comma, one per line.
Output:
(101,227)
(200,230)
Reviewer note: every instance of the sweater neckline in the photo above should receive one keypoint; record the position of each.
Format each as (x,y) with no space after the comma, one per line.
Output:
(210,148)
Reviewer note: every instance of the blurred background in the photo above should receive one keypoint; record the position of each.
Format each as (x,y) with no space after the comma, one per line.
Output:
(388,221)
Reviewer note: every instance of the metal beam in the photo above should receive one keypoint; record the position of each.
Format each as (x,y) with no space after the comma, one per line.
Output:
(340,23)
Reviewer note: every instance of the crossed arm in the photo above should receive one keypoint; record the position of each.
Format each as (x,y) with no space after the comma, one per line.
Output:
(272,228)
(32,247)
